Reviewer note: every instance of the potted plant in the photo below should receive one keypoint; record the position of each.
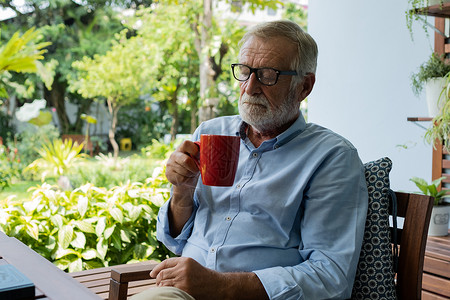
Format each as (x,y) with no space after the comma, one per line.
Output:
(440,214)
(439,132)
(431,75)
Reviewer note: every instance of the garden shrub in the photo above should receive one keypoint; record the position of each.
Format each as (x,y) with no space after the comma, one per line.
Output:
(10,166)
(157,149)
(33,138)
(110,171)
(90,227)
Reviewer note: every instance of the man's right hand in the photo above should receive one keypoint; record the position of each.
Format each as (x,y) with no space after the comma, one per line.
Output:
(181,169)
(183,173)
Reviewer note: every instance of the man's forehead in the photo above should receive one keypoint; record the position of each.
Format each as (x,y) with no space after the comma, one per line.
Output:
(267,52)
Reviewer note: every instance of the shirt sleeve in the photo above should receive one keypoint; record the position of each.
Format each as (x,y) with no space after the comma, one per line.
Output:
(332,227)
(174,244)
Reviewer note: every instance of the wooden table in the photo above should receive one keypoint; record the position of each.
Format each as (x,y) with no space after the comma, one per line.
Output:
(50,282)
(436,269)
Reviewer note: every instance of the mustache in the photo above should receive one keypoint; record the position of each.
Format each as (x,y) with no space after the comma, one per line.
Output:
(254,100)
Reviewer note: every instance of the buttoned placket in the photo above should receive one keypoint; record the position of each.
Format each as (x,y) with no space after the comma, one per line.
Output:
(211,259)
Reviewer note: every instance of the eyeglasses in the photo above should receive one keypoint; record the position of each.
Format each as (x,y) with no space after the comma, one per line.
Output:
(266,76)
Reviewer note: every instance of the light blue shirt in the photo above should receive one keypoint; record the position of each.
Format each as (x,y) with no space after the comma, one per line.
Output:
(295,215)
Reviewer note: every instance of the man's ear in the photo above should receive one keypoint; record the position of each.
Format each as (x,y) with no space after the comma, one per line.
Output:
(307,85)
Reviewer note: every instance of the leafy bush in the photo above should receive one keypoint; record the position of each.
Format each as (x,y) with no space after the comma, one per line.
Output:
(10,166)
(157,149)
(109,172)
(26,143)
(56,157)
(90,227)
(6,126)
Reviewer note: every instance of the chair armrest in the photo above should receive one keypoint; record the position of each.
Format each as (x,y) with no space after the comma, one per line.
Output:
(121,275)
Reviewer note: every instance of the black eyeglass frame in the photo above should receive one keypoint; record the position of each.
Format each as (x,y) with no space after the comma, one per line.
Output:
(255,70)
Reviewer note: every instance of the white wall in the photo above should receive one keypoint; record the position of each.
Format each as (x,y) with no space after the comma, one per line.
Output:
(366,57)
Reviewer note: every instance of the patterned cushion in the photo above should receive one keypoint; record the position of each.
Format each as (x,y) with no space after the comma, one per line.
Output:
(375,273)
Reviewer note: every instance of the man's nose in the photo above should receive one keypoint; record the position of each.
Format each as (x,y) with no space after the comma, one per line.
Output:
(252,85)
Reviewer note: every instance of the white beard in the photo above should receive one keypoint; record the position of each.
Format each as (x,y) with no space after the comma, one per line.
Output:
(256,111)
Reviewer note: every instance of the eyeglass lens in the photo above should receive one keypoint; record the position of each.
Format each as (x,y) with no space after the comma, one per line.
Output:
(265,75)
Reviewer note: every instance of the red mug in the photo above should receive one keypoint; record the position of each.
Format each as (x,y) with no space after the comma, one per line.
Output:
(219,156)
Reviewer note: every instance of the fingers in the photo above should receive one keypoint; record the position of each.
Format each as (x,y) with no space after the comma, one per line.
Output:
(165,272)
(181,167)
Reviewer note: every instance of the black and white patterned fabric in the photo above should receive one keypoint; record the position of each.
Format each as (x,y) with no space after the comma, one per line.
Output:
(375,273)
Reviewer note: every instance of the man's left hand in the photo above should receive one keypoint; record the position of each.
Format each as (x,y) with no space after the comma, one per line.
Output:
(188,275)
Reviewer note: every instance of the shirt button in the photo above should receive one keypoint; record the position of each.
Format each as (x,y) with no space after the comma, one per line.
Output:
(255,155)
(238,186)
(228,218)
(213,250)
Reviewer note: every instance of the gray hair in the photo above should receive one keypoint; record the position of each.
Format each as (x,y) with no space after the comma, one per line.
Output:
(306,60)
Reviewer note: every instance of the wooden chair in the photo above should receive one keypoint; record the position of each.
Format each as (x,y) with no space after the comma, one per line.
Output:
(412,239)
(416,211)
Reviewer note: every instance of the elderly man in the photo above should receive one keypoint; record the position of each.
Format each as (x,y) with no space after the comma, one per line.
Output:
(291,226)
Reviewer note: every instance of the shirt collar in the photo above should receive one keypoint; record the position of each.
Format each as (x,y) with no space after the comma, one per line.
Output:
(294,130)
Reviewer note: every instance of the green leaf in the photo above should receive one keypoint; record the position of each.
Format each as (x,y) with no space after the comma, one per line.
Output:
(51,243)
(79,241)
(85,226)
(102,248)
(125,236)
(140,251)
(89,254)
(60,253)
(109,231)
(82,205)
(135,212)
(117,242)
(62,263)
(76,265)
(117,214)
(93,264)
(101,225)
(65,236)
(421,184)
(33,231)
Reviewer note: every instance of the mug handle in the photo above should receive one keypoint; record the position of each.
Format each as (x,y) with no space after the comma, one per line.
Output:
(197,161)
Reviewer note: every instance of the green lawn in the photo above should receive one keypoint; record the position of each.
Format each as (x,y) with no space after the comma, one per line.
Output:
(19,188)
(102,173)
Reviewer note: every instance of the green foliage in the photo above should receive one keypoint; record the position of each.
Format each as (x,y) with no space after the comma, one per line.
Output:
(20,150)
(20,54)
(90,227)
(8,166)
(430,189)
(32,138)
(108,171)
(158,149)
(57,158)
(439,132)
(143,122)
(418,11)
(6,126)
(297,14)
(436,66)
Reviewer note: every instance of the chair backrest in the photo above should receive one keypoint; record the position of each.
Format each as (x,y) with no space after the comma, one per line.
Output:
(416,211)
(381,274)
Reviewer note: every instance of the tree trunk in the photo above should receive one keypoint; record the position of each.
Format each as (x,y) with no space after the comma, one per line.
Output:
(193,116)
(55,97)
(113,110)
(175,116)
(206,111)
